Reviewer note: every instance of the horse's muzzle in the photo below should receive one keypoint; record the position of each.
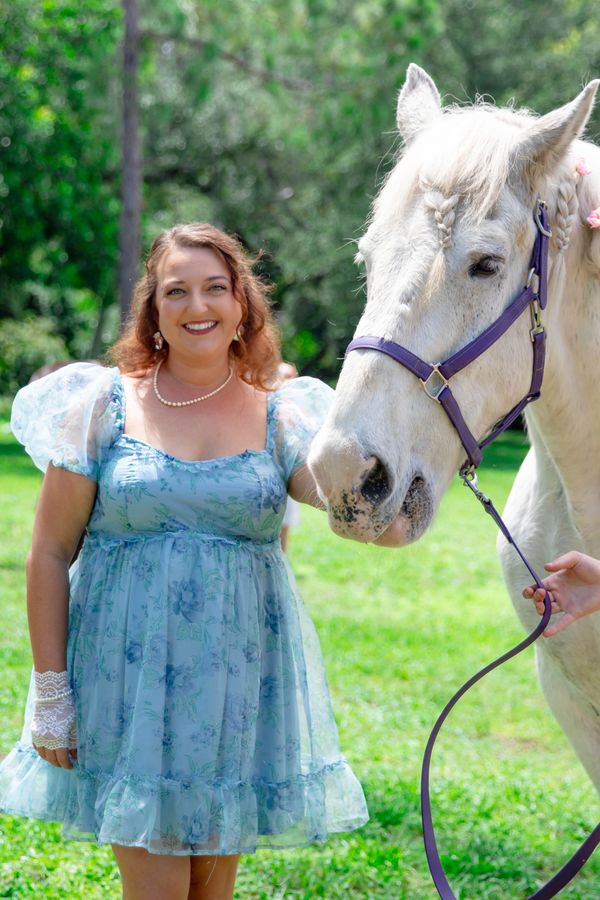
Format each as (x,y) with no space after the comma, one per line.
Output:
(363,495)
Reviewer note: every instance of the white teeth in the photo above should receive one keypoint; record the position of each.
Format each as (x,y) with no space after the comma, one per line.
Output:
(199,326)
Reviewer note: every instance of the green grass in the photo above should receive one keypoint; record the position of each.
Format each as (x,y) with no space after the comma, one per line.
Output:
(400,630)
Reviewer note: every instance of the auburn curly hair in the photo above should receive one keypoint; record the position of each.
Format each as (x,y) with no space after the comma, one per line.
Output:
(256,354)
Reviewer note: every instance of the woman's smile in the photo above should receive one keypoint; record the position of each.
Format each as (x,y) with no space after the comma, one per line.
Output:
(200,327)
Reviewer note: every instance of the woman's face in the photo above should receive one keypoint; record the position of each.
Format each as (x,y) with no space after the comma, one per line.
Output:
(198,314)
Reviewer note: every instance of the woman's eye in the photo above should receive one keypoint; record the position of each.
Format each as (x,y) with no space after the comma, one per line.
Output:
(172,291)
(484,267)
(218,287)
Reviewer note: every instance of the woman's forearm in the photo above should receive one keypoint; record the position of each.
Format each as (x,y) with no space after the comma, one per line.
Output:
(303,488)
(48,610)
(64,508)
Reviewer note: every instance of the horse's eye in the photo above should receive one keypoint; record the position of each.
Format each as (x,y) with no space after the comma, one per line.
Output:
(484,267)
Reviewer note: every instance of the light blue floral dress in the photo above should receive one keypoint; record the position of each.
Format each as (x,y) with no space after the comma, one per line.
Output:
(203,715)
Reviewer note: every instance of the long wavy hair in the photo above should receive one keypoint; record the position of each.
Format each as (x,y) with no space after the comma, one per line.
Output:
(256,354)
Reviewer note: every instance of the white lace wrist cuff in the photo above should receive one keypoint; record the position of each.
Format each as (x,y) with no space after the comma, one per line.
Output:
(53,723)
(51,686)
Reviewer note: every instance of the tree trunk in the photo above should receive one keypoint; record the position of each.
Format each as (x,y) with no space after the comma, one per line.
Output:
(129,239)
(96,347)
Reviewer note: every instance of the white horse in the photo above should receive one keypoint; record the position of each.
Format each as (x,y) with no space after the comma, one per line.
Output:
(447,248)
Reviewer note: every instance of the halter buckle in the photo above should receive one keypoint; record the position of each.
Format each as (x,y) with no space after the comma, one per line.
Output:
(435,383)
(536,320)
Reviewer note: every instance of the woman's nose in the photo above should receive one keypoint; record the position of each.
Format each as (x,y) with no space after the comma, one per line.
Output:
(197,300)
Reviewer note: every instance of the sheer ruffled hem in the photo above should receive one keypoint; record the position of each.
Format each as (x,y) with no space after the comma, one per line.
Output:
(183,816)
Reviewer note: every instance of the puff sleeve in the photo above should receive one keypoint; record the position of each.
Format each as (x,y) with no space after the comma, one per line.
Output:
(70,417)
(301,407)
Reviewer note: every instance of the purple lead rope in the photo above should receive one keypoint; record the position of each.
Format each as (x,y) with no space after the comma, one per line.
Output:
(580,857)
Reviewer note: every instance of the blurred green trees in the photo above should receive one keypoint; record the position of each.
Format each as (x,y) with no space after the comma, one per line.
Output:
(271,118)
(59,165)
(25,346)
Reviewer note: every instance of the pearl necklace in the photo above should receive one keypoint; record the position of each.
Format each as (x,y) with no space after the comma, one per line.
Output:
(187,402)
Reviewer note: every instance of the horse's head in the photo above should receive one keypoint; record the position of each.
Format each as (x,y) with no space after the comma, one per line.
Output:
(447,248)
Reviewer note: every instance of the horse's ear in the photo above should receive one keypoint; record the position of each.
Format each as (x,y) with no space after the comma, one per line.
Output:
(418,103)
(543,143)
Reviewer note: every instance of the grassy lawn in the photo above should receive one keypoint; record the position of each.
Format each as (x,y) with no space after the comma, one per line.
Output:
(400,630)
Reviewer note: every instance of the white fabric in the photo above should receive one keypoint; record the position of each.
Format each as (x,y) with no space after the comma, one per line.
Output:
(291,518)
(53,725)
(69,418)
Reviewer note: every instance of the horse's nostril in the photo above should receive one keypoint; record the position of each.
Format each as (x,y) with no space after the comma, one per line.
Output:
(417,499)
(376,486)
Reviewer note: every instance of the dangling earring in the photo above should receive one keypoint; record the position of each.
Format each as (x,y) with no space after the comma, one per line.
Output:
(158,340)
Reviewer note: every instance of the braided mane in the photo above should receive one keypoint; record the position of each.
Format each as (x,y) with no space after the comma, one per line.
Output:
(464,159)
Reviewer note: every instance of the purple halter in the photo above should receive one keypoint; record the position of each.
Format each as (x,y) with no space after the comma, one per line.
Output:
(435,377)
(435,380)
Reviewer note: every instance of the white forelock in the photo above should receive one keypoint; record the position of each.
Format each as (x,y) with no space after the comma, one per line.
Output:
(465,151)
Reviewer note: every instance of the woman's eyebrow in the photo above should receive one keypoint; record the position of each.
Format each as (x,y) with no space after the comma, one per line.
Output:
(182,281)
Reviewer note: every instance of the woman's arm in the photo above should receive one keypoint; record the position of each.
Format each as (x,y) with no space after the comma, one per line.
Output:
(303,488)
(64,507)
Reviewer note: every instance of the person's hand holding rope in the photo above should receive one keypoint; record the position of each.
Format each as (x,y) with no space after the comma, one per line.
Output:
(574,587)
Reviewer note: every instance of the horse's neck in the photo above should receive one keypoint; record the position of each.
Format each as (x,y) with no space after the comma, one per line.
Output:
(565,423)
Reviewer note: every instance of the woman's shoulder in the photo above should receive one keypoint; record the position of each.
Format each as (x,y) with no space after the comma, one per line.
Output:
(303,395)
(303,386)
(89,372)
(78,406)
(78,386)
(74,384)
(301,407)
(76,374)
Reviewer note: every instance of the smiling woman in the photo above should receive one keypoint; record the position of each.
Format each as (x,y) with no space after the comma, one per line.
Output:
(178,708)
(196,263)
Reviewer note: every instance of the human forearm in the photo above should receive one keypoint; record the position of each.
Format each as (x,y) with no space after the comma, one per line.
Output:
(303,488)
(63,511)
(48,609)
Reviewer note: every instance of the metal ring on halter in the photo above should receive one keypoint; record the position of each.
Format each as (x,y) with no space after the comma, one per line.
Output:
(469,478)
(545,231)
(435,388)
(469,473)
(530,280)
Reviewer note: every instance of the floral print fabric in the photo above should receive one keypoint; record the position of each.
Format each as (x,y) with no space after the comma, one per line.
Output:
(203,715)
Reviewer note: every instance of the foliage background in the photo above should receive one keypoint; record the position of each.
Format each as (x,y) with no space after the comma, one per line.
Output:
(271,118)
